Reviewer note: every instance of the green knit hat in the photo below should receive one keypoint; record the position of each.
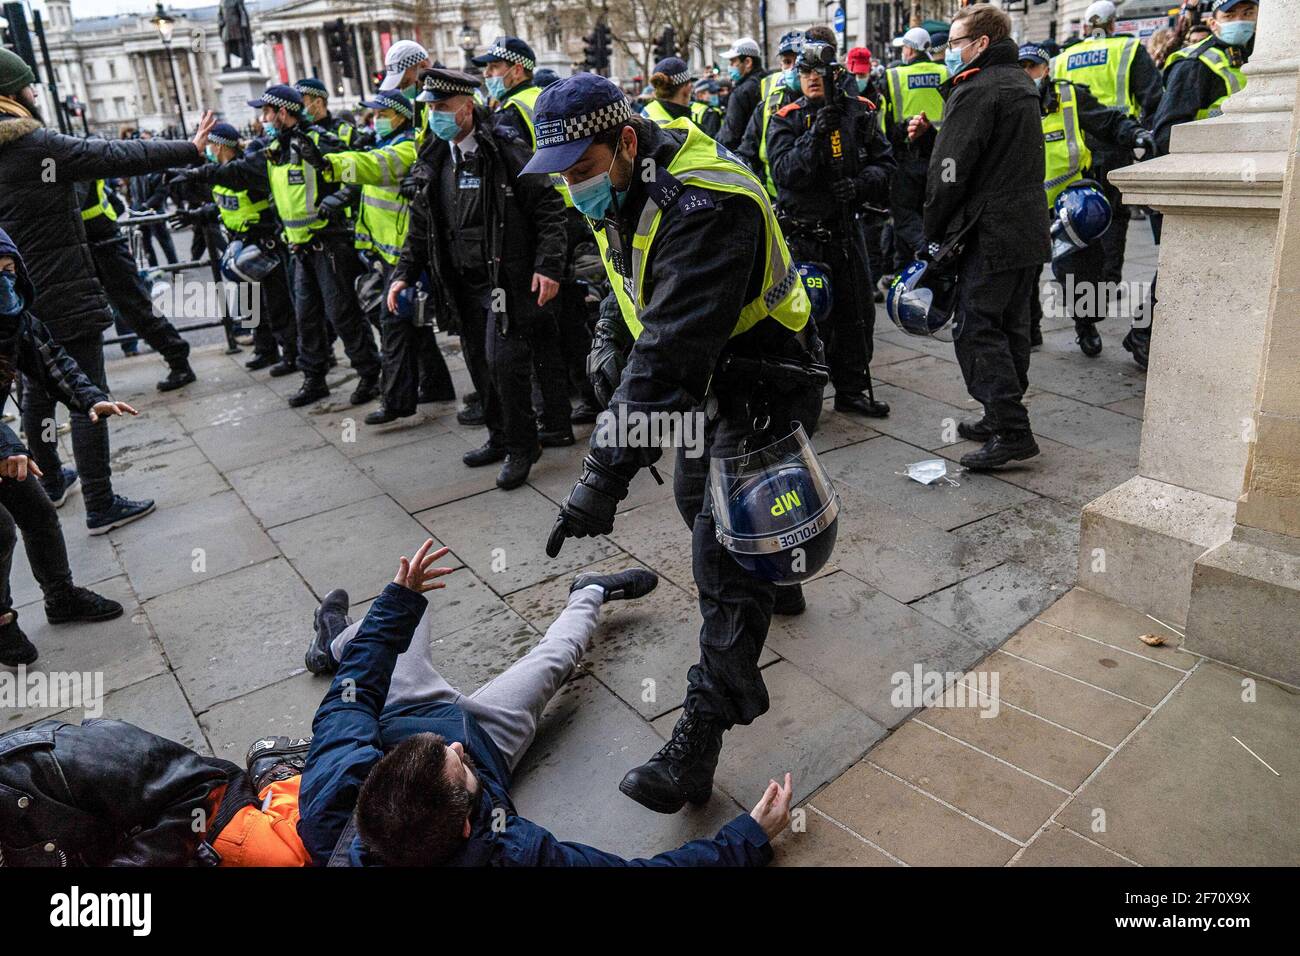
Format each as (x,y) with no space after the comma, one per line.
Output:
(15,74)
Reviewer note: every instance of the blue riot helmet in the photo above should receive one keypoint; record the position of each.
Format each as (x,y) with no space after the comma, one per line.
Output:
(247,262)
(817,283)
(1080,216)
(775,509)
(791,42)
(922,299)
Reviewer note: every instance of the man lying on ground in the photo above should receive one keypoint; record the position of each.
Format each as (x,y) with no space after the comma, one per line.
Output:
(422,772)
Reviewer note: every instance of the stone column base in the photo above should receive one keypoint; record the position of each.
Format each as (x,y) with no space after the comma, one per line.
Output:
(1139,542)
(1245,604)
(234,90)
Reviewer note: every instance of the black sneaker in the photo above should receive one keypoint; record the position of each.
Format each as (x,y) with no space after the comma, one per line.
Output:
(620,586)
(80,604)
(15,649)
(282,368)
(471,415)
(178,377)
(682,770)
(1000,450)
(273,759)
(259,362)
(366,390)
(980,431)
(790,601)
(329,621)
(1085,333)
(556,438)
(486,454)
(312,390)
(584,413)
(515,469)
(121,512)
(68,482)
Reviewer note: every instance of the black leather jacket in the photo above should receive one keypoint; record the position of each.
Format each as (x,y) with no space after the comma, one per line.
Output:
(103,793)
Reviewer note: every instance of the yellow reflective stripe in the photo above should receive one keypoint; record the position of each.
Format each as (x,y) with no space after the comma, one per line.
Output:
(896,94)
(1123,93)
(370,199)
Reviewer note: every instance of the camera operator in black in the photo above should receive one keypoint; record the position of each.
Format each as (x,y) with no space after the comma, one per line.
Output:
(828,159)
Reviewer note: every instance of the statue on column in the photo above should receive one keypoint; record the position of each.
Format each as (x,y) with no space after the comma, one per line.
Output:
(236,32)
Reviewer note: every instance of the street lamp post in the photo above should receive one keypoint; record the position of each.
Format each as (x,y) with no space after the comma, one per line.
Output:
(166,25)
(468,41)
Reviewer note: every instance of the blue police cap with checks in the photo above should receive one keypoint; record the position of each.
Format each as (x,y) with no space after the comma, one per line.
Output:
(569,114)
(278,96)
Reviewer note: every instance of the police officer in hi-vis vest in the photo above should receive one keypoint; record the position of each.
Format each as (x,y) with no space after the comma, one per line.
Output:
(701,276)
(125,289)
(910,89)
(1198,78)
(671,81)
(315,101)
(1071,117)
(1120,73)
(248,218)
(315,226)
(776,89)
(414,370)
(705,110)
(561,339)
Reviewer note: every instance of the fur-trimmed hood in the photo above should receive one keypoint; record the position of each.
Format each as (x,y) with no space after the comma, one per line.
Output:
(14,128)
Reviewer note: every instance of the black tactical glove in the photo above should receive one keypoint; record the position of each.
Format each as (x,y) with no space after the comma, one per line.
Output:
(844,189)
(308,150)
(1146,142)
(610,342)
(589,508)
(828,121)
(178,184)
(415,181)
(332,207)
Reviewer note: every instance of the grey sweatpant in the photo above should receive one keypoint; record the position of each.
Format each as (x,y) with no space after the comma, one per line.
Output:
(510,704)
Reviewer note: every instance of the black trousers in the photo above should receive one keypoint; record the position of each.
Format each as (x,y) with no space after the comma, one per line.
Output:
(498,349)
(157,232)
(129,295)
(412,361)
(992,338)
(906,202)
(848,335)
(276,332)
(551,396)
(726,685)
(325,298)
(90,445)
(1115,239)
(25,507)
(1080,280)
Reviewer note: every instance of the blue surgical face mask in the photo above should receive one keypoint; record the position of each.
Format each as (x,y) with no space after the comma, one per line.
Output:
(792,79)
(210,154)
(11,300)
(1038,83)
(1237,32)
(410,91)
(714,99)
(270,132)
(496,86)
(952,60)
(443,125)
(862,83)
(592,197)
(383,127)
(734,73)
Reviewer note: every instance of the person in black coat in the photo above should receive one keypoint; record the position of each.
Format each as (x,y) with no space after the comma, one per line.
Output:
(747,74)
(984,191)
(493,243)
(42,213)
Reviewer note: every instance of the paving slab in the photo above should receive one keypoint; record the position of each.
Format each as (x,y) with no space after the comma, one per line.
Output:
(1129,674)
(932,377)
(917,419)
(857,642)
(1183,792)
(171,478)
(1133,407)
(237,632)
(885,352)
(899,554)
(1081,425)
(502,536)
(1111,377)
(1092,615)
(1073,476)
(355,547)
(464,601)
(344,428)
(427,473)
(152,432)
(285,708)
(156,705)
(209,411)
(913,827)
(880,472)
(158,552)
(809,732)
(993,792)
(248,441)
(992,605)
(568,781)
(1040,534)
(559,468)
(837,429)
(656,536)
(1057,846)
(306,483)
(824,843)
(91,558)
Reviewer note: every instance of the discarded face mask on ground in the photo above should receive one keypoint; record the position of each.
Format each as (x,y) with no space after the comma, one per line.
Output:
(929,471)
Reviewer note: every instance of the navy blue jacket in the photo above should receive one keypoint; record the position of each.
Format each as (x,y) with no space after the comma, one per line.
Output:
(350,734)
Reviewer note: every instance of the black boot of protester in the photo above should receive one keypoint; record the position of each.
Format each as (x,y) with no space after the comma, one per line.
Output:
(273,759)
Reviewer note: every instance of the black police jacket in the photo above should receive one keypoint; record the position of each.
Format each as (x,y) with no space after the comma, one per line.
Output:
(43,213)
(802,162)
(1191,86)
(988,166)
(103,793)
(740,106)
(523,216)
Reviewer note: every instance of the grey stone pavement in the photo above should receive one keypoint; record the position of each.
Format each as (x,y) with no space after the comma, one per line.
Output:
(262,509)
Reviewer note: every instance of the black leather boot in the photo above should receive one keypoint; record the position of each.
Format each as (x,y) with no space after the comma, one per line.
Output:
(1138,344)
(273,759)
(789,601)
(485,454)
(860,404)
(1003,448)
(179,376)
(514,470)
(15,649)
(975,431)
(682,770)
(367,389)
(1085,333)
(311,390)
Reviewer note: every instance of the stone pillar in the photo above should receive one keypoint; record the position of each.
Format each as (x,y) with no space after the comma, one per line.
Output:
(195,81)
(153,82)
(326,67)
(1220,189)
(290,63)
(305,49)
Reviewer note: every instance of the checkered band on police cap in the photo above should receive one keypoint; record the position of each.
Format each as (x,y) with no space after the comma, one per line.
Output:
(680,78)
(223,138)
(403,55)
(390,100)
(433,83)
(560,131)
(510,56)
(274,99)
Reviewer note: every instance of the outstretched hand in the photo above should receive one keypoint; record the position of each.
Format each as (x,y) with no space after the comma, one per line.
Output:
(200,139)
(105,409)
(418,574)
(773,811)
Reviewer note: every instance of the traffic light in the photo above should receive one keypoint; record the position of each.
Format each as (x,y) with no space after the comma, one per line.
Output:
(666,44)
(596,49)
(16,37)
(339,46)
